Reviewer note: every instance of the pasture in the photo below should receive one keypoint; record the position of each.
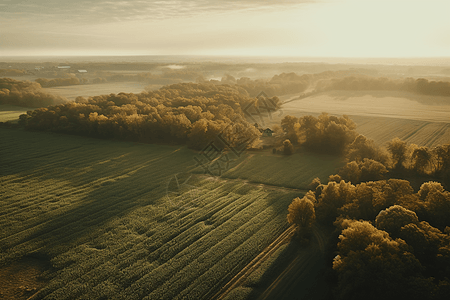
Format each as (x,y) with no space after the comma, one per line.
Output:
(102,216)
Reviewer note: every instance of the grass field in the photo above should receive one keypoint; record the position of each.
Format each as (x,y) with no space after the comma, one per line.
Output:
(11,112)
(86,90)
(295,171)
(98,213)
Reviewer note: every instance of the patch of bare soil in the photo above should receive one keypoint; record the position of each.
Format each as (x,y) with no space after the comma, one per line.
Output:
(22,279)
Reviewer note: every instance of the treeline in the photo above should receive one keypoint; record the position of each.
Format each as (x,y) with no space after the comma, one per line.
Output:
(44,82)
(12,72)
(362,83)
(188,113)
(284,83)
(26,94)
(398,159)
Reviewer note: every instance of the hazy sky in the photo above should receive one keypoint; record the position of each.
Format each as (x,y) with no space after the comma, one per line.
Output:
(338,28)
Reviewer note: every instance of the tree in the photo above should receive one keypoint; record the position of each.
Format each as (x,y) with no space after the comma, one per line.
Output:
(290,127)
(442,159)
(365,170)
(421,159)
(394,218)
(334,195)
(371,265)
(301,211)
(362,147)
(397,149)
(288,148)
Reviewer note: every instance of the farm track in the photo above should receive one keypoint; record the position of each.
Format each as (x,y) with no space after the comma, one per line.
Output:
(255,263)
(304,266)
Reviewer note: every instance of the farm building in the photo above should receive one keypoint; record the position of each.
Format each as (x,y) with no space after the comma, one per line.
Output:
(267,132)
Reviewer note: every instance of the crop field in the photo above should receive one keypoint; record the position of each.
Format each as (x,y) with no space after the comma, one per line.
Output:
(381,116)
(422,133)
(103,217)
(11,112)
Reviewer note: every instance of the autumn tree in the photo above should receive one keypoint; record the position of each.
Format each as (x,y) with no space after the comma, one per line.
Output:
(421,158)
(398,149)
(362,147)
(290,127)
(371,265)
(301,211)
(365,170)
(288,148)
(333,196)
(394,218)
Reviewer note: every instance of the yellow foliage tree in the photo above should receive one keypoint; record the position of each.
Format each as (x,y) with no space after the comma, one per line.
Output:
(301,211)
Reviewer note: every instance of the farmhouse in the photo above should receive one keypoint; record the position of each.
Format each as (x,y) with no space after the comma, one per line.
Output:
(266,132)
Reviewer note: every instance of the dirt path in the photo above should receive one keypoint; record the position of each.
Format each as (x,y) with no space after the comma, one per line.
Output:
(296,281)
(255,263)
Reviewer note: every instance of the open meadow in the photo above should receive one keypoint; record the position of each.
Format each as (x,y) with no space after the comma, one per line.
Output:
(103,218)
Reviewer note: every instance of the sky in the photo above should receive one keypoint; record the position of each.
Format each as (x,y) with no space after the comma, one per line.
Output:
(302,28)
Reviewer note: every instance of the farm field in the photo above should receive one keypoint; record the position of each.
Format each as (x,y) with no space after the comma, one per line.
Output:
(381,116)
(422,133)
(11,112)
(100,216)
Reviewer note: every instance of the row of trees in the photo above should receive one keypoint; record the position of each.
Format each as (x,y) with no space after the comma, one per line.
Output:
(44,82)
(285,83)
(182,113)
(12,72)
(362,83)
(399,159)
(324,134)
(26,94)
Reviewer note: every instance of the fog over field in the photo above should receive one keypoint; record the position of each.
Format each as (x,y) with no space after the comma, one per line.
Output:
(225,149)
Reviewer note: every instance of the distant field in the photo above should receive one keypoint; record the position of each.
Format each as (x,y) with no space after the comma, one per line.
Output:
(422,133)
(373,104)
(99,214)
(11,112)
(86,90)
(381,116)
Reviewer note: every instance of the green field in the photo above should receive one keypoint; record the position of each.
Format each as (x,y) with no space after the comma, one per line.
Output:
(85,90)
(103,215)
(11,112)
